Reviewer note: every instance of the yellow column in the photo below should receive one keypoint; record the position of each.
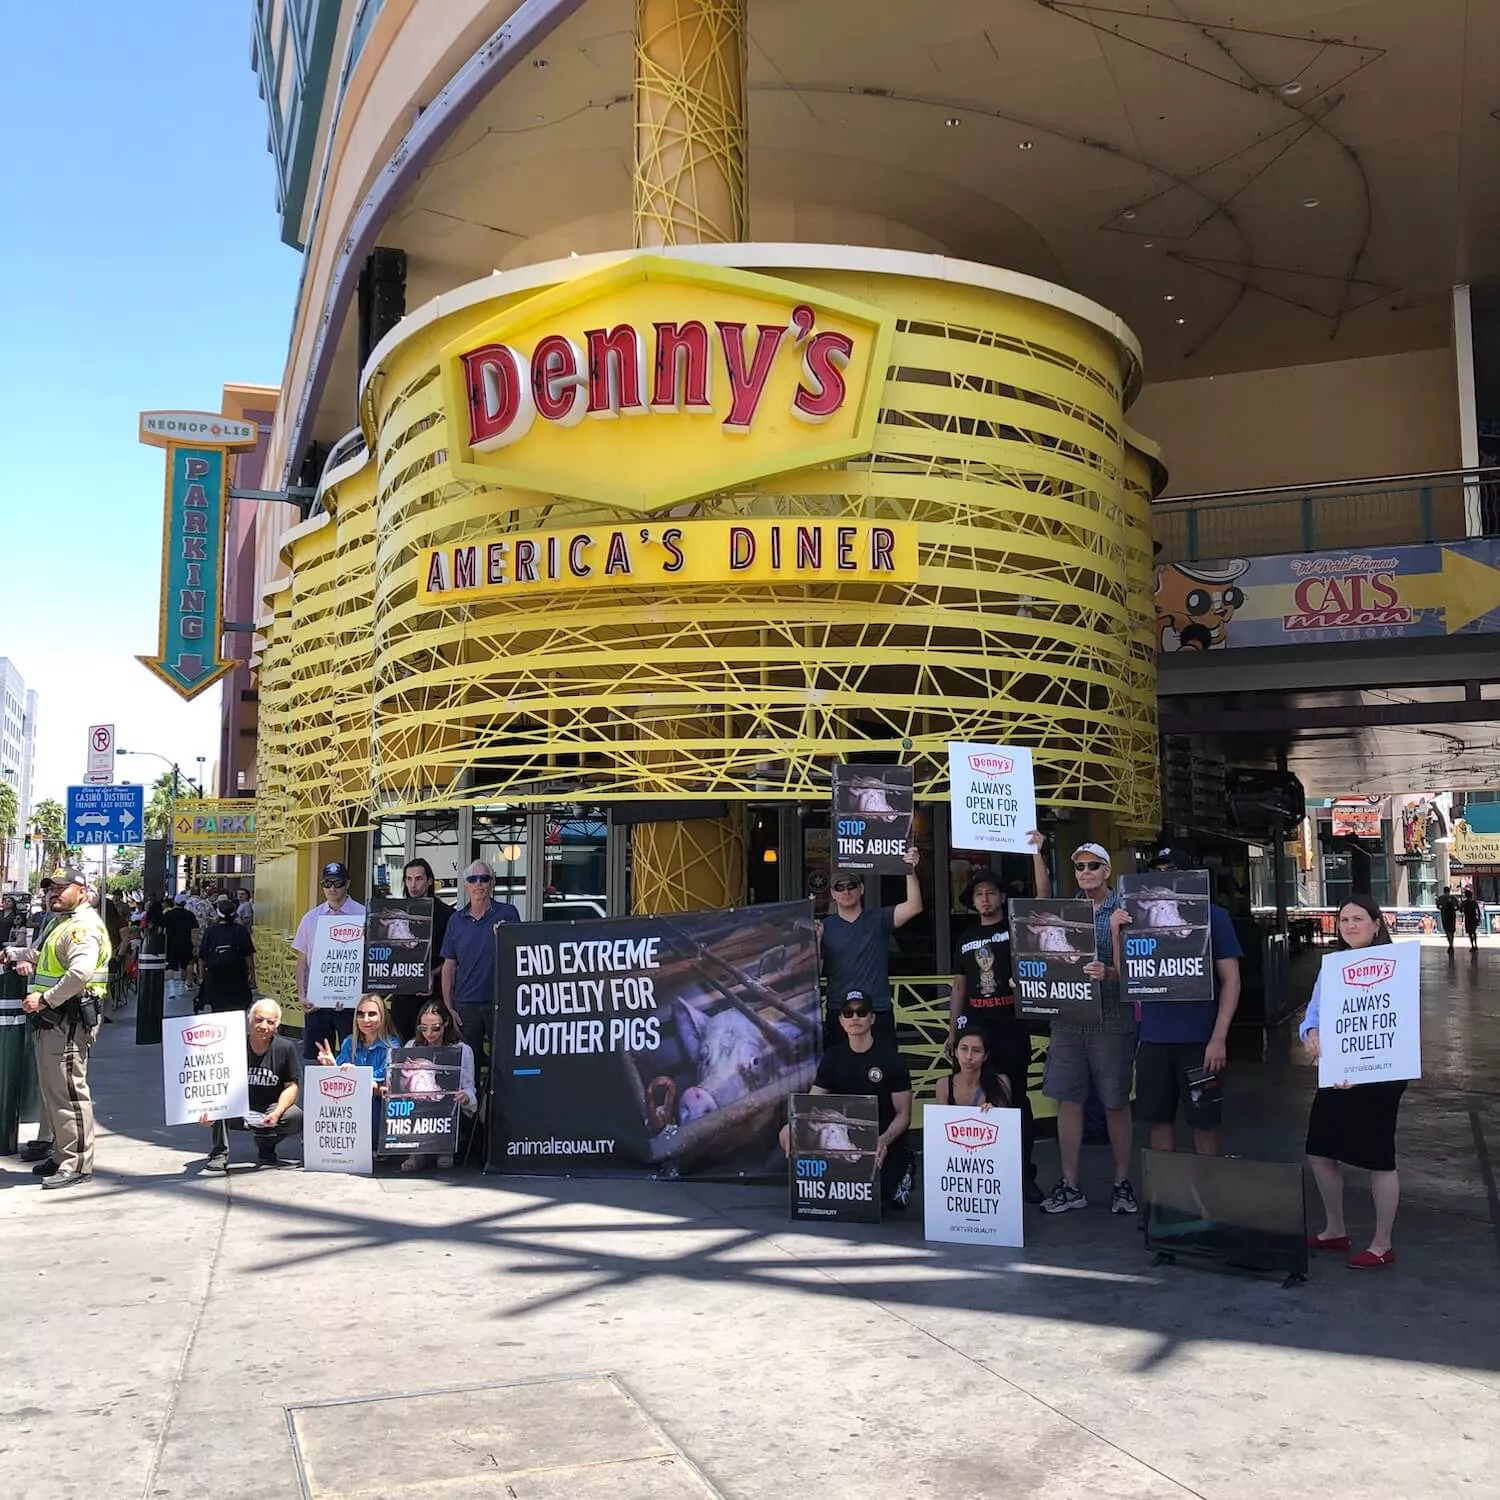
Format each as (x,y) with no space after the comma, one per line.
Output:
(690,149)
(690,122)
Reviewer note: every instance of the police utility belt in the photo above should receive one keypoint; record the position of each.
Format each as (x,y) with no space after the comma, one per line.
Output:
(80,1011)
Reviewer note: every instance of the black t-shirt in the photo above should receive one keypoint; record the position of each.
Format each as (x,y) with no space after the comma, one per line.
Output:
(180,925)
(225,950)
(857,956)
(982,956)
(279,1065)
(879,1071)
(441,911)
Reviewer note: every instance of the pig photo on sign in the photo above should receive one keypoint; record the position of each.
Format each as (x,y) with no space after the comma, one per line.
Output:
(1051,936)
(832,1133)
(733,1057)
(1161,911)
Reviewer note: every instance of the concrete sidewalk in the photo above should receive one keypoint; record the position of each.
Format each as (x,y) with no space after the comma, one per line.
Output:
(664,1339)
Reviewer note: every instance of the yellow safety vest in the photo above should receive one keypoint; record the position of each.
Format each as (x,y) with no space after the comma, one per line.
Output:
(50,968)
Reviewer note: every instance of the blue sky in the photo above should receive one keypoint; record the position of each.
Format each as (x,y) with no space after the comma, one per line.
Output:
(143,267)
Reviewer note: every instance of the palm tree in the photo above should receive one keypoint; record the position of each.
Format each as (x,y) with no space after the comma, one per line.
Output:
(50,823)
(159,807)
(10,810)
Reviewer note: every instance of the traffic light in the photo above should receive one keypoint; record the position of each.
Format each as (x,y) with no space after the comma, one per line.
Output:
(27,841)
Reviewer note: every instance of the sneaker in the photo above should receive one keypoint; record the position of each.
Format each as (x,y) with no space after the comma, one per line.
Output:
(1063,1197)
(1122,1198)
(902,1194)
(218,1162)
(44,1168)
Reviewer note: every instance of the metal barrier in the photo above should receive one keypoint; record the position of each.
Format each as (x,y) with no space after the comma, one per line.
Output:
(16,1064)
(150,997)
(1389,511)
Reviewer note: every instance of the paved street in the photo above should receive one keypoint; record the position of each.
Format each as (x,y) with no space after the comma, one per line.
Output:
(654,1339)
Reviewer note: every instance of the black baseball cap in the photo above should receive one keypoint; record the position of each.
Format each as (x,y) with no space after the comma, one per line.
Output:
(68,875)
(336,874)
(979,878)
(1172,856)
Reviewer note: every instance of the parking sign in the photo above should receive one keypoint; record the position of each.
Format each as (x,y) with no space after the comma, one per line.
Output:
(101,764)
(106,815)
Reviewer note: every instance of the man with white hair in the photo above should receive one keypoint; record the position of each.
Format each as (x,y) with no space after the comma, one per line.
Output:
(274,1065)
(468,955)
(1101,1053)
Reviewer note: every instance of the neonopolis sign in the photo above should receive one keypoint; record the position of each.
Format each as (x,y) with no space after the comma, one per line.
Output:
(655,381)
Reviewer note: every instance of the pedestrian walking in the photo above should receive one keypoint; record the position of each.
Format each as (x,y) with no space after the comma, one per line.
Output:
(1447,905)
(68,975)
(1471,919)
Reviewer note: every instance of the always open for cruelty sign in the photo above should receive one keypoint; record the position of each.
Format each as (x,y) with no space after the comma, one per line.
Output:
(994,797)
(337,969)
(971,1175)
(1370,1015)
(203,1067)
(336,1122)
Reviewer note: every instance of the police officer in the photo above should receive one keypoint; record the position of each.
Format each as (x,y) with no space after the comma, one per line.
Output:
(68,975)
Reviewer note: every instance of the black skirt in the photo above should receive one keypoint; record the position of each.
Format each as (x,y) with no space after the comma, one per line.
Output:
(1356,1126)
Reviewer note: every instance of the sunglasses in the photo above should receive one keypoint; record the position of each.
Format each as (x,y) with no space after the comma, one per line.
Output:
(1089,864)
(846,885)
(852,1012)
(335,885)
(478,879)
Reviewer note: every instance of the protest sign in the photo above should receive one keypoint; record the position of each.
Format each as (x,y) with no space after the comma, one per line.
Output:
(337,968)
(422,1100)
(1051,941)
(398,946)
(1370,1015)
(994,798)
(832,1172)
(872,809)
(203,1067)
(336,1133)
(652,1045)
(1167,950)
(971,1175)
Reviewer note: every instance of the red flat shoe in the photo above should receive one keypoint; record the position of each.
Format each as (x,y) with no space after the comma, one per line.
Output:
(1367,1260)
(1338,1242)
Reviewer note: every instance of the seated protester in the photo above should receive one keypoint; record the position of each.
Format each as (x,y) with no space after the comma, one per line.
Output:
(228,959)
(974,1083)
(369,1045)
(861,1065)
(437,1028)
(275,1069)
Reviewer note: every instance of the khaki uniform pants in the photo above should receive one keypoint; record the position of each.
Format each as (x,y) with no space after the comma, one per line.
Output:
(62,1063)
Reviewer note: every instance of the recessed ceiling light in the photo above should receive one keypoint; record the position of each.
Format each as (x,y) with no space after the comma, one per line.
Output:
(1169,297)
(1024,145)
(1311,202)
(952,122)
(1292,89)
(1148,244)
(538,62)
(1179,321)
(1128,214)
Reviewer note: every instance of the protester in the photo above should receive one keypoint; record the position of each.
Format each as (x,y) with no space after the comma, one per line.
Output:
(179,924)
(1081,1053)
(227,956)
(418,882)
(68,972)
(854,945)
(1447,905)
(468,954)
(862,1064)
(437,1028)
(974,1083)
(275,1078)
(370,1044)
(1183,1038)
(320,1023)
(1471,912)
(1354,1124)
(983,994)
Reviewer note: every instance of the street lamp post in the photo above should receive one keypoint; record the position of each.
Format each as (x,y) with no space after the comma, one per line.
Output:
(172,818)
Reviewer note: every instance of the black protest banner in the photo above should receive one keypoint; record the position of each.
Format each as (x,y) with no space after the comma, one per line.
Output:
(1051,941)
(398,946)
(872,810)
(1166,946)
(655,1046)
(422,1100)
(833,1173)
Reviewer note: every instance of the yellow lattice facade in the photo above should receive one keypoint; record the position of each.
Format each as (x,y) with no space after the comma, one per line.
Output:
(999,433)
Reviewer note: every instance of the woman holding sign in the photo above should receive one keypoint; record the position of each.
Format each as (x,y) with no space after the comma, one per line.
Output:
(1354,1124)
(437,1028)
(973,1084)
(370,1046)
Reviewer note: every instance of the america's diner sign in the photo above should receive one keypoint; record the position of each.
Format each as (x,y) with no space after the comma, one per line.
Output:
(670,553)
(655,381)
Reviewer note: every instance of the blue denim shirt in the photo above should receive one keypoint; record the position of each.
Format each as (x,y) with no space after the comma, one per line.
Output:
(1115,1014)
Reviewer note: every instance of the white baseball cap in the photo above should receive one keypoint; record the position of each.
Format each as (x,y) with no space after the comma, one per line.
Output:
(1097,850)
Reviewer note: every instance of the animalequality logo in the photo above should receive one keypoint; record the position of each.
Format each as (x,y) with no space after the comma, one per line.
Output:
(991,765)
(657,380)
(205,1036)
(336,1088)
(972,1135)
(1368,972)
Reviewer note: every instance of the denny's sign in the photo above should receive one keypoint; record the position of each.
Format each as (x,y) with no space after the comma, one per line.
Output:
(656,381)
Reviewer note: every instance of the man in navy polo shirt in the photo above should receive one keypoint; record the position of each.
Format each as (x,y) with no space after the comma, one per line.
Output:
(468,955)
(1181,1041)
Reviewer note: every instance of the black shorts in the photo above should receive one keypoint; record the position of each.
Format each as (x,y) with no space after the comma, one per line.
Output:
(1161,1085)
